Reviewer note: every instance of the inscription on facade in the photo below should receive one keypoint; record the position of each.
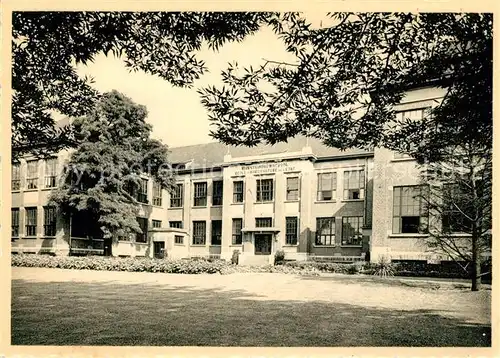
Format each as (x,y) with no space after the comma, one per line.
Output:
(264,168)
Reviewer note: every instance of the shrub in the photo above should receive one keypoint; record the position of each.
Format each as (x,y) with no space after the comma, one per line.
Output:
(235,257)
(384,268)
(353,269)
(279,257)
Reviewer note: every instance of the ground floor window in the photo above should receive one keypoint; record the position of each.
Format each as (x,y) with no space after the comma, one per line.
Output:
(216,232)
(178,239)
(351,230)
(14,222)
(325,231)
(409,213)
(237,235)
(291,230)
(49,221)
(31,219)
(199,232)
(143,236)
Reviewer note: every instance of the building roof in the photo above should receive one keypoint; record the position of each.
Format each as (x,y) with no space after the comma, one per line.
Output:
(212,154)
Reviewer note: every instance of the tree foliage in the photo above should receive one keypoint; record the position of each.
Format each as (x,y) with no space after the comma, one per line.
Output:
(348,77)
(46,46)
(104,172)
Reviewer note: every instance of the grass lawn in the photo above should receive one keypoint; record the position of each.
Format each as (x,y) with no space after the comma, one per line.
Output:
(67,307)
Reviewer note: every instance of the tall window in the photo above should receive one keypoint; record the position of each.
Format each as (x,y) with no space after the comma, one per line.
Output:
(325,231)
(199,232)
(216,232)
(457,209)
(265,190)
(32,175)
(217,192)
(237,235)
(354,184)
(142,194)
(157,191)
(263,222)
(238,191)
(292,188)
(49,221)
(176,196)
(16,176)
(409,212)
(327,184)
(31,221)
(142,236)
(14,222)
(351,230)
(412,115)
(200,194)
(175,224)
(156,224)
(292,232)
(50,172)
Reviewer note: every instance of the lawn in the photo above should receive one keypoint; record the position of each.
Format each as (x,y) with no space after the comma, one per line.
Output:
(69,307)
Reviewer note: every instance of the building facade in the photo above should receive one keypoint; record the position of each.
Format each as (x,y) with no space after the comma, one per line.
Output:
(300,197)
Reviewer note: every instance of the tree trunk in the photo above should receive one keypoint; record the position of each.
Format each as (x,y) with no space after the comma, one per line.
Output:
(476,265)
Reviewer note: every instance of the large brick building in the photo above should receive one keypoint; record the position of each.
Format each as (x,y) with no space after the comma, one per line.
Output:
(300,197)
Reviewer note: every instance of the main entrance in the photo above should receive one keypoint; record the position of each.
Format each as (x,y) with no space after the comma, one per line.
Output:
(263,244)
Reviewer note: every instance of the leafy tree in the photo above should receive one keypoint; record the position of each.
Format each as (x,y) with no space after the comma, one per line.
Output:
(459,202)
(348,77)
(46,46)
(104,172)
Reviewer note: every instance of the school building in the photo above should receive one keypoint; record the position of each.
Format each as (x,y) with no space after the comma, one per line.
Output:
(301,197)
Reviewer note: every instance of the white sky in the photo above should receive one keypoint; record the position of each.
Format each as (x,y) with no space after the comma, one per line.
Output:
(177,116)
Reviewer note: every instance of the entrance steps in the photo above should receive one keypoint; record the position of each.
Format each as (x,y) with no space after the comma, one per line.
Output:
(255,260)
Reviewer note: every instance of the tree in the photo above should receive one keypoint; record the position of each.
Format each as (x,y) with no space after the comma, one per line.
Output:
(459,203)
(47,45)
(348,77)
(103,174)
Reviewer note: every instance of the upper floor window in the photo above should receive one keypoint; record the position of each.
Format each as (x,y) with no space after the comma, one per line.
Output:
(327,184)
(292,232)
(325,231)
(409,212)
(16,176)
(200,194)
(157,193)
(216,232)
(175,224)
(142,236)
(292,188)
(413,115)
(142,194)
(49,221)
(237,235)
(354,184)
(32,174)
(199,232)
(265,190)
(176,196)
(238,191)
(156,224)
(217,192)
(50,172)
(351,230)
(14,222)
(263,222)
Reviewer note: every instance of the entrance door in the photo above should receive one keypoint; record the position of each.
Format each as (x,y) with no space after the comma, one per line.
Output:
(159,249)
(263,244)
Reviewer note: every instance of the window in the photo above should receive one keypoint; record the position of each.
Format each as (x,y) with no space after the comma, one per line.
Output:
(265,190)
(327,184)
(200,194)
(142,194)
(351,230)
(456,208)
(175,224)
(238,191)
(354,184)
(291,230)
(32,177)
(199,232)
(179,240)
(237,235)
(50,172)
(16,177)
(263,222)
(142,236)
(325,231)
(31,220)
(216,232)
(49,221)
(217,193)
(176,196)
(409,214)
(292,188)
(157,193)
(14,213)
(412,115)
(156,224)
